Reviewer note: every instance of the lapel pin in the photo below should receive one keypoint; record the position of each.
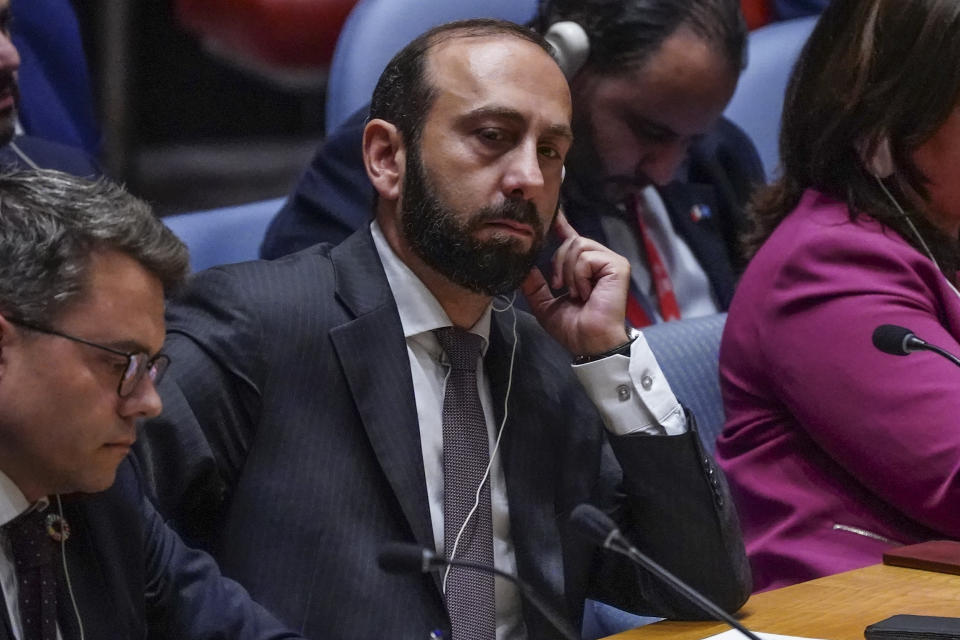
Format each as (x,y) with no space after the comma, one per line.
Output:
(700,211)
(57,527)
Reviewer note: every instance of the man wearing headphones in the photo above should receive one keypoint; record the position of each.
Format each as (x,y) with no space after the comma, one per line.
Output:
(655,173)
(322,406)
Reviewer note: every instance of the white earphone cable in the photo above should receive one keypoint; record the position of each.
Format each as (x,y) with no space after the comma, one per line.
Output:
(496,448)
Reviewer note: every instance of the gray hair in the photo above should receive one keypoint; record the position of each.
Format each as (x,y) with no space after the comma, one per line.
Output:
(51,223)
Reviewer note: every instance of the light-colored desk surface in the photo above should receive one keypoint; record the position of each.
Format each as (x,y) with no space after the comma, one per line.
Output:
(836,607)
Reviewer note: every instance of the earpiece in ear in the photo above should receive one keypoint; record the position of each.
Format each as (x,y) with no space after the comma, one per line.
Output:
(880,162)
(563,173)
(572,45)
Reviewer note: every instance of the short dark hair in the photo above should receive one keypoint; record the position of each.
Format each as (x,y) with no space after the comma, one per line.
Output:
(51,223)
(872,69)
(625,33)
(404,95)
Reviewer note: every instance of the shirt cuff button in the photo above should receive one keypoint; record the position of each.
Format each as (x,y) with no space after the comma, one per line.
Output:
(646,382)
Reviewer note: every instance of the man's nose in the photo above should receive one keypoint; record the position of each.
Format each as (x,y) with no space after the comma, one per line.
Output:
(144,402)
(523,177)
(9,56)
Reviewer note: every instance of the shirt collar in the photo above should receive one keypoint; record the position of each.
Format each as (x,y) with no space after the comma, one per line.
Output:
(419,310)
(13,502)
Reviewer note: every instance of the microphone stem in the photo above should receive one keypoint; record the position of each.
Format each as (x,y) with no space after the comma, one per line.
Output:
(946,354)
(545,609)
(626,549)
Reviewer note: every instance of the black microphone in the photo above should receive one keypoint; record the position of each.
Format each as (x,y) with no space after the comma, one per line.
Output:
(900,341)
(597,527)
(401,557)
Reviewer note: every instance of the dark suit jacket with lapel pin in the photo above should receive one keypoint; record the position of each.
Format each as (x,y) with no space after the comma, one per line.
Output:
(133,578)
(289,445)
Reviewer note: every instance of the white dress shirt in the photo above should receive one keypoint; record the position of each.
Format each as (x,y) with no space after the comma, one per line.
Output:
(650,408)
(690,282)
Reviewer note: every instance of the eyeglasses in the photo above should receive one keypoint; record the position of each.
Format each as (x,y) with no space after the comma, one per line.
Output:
(138,364)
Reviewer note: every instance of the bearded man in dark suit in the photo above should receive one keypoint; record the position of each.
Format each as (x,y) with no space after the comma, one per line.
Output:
(319,405)
(655,172)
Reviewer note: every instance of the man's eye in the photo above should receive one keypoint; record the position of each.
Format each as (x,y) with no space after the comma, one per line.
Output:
(493,135)
(549,152)
(118,364)
(653,134)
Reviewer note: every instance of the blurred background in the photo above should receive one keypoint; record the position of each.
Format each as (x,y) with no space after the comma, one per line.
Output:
(196,104)
(204,103)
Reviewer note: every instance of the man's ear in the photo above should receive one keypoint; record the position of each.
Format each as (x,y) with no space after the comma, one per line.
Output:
(384,157)
(6,331)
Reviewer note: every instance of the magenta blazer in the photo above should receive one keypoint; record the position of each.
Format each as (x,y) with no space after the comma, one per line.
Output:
(834,450)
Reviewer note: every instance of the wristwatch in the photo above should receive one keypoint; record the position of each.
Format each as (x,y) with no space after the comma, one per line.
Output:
(620,350)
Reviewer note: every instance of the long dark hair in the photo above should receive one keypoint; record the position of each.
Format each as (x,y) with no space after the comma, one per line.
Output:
(872,70)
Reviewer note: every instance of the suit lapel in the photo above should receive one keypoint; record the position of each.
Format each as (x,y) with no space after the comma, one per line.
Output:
(100,614)
(695,214)
(373,354)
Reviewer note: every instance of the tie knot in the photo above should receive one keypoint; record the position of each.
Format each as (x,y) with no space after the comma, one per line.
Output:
(462,347)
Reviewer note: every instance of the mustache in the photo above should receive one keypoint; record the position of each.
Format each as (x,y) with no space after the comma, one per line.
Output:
(522,211)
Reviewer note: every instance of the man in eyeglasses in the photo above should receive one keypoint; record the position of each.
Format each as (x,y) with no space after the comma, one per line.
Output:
(83,271)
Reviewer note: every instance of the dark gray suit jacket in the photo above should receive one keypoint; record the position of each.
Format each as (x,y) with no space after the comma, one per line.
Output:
(289,445)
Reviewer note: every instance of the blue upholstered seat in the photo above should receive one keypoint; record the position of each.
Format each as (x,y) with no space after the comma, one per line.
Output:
(688,353)
(377,29)
(757,104)
(223,236)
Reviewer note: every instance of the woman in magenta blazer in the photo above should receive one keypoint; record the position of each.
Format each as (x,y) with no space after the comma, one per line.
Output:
(834,450)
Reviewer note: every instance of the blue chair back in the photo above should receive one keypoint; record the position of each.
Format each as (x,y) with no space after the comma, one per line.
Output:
(757,104)
(689,354)
(224,236)
(375,30)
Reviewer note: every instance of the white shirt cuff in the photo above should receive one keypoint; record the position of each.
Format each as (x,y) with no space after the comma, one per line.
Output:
(632,394)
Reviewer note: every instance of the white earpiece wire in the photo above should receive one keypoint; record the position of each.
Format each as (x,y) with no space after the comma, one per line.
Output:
(916,231)
(496,447)
(66,570)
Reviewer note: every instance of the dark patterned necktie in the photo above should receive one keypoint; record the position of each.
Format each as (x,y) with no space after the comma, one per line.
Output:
(34,554)
(466,453)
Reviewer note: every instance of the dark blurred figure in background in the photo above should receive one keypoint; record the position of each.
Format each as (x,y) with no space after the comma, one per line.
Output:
(789,9)
(655,172)
(56,101)
(22,150)
(836,451)
(761,12)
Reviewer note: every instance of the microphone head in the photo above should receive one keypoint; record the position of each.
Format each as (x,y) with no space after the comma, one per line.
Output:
(403,557)
(894,340)
(592,524)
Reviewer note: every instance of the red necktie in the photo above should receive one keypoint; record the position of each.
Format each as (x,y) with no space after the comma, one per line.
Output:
(662,285)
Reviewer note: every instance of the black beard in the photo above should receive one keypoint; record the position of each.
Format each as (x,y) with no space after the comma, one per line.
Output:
(447,245)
